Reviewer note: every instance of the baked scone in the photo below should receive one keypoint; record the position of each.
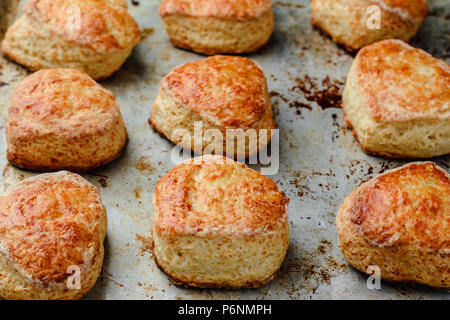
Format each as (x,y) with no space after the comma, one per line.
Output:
(218,26)
(397,100)
(400,222)
(62,119)
(350,22)
(52,228)
(220,92)
(219,224)
(95,36)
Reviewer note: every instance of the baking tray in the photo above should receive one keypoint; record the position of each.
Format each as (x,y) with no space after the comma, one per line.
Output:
(320,162)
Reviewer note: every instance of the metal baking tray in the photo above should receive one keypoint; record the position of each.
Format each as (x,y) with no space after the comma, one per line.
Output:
(320,161)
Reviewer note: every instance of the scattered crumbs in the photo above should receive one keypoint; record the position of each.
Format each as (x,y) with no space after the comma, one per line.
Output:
(328,97)
(147,32)
(144,165)
(146,244)
(283,4)
(103,182)
(137,193)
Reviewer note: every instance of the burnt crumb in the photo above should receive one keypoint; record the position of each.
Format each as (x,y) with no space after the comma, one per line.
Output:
(147,32)
(103,182)
(135,2)
(289,5)
(144,165)
(323,246)
(328,97)
(2,84)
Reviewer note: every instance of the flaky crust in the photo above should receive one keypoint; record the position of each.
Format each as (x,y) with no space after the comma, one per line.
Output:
(346,20)
(49,223)
(222,92)
(95,36)
(225,9)
(233,219)
(397,100)
(62,119)
(400,222)
(222,26)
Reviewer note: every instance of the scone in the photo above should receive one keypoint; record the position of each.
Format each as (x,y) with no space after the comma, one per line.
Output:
(52,228)
(95,36)
(62,119)
(219,224)
(219,93)
(218,26)
(397,100)
(400,222)
(353,23)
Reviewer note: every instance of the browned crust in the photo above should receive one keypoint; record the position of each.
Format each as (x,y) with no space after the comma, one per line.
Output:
(224,285)
(224,9)
(30,166)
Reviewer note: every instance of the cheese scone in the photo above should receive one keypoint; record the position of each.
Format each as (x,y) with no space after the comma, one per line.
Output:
(219,224)
(397,100)
(95,36)
(400,222)
(218,26)
(357,23)
(223,93)
(52,228)
(61,119)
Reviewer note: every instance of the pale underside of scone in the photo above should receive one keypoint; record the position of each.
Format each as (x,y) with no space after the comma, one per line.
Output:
(212,27)
(218,225)
(350,22)
(400,222)
(52,225)
(62,119)
(50,35)
(222,93)
(397,100)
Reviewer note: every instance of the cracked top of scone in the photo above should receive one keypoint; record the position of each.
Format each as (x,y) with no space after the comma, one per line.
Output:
(402,83)
(62,102)
(102,25)
(226,9)
(211,196)
(51,222)
(405,9)
(406,206)
(224,90)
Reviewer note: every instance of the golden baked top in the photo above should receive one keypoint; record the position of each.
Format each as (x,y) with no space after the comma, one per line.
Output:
(406,206)
(406,9)
(401,83)
(50,222)
(225,90)
(226,9)
(98,24)
(60,101)
(215,198)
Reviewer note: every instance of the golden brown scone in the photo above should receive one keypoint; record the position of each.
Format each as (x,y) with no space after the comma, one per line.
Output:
(219,224)
(400,222)
(218,26)
(346,21)
(95,36)
(62,119)
(221,92)
(397,100)
(51,225)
